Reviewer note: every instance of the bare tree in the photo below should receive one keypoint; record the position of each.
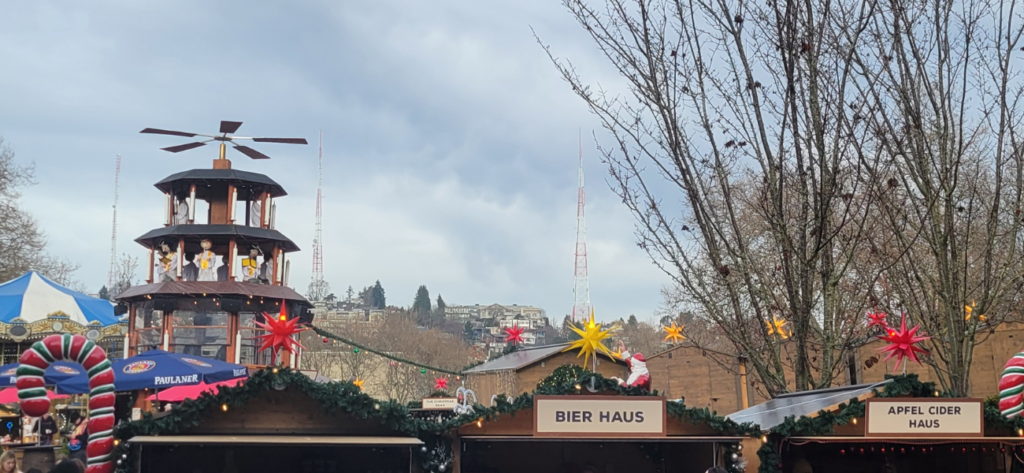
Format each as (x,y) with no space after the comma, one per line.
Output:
(125,274)
(941,95)
(734,149)
(22,242)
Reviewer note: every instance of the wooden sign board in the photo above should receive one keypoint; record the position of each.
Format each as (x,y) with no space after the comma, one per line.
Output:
(440,403)
(924,417)
(599,416)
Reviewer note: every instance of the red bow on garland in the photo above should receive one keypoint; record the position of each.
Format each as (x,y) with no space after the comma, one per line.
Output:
(440,384)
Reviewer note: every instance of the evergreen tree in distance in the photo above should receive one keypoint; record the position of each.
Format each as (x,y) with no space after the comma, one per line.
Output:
(440,306)
(377,299)
(421,304)
(104,293)
(349,295)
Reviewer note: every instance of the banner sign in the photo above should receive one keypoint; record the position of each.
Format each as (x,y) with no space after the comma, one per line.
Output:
(440,403)
(908,417)
(598,416)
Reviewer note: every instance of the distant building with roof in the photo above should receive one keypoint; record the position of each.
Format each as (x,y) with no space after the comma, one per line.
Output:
(520,371)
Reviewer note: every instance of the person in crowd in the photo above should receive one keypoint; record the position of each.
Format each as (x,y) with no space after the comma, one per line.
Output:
(190,272)
(69,465)
(79,439)
(9,462)
(47,428)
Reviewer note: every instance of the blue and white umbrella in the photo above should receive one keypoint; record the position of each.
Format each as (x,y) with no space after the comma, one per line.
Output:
(66,376)
(32,298)
(158,369)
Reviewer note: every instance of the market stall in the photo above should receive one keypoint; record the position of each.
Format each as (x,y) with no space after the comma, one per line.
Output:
(577,420)
(278,420)
(899,425)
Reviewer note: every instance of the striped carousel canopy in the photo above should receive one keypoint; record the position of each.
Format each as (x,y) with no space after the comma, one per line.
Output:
(32,298)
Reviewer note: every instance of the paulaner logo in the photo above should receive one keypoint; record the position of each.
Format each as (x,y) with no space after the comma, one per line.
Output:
(166,380)
(139,367)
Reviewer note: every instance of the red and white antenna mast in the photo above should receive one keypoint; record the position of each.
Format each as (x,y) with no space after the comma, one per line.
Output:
(318,288)
(581,288)
(112,274)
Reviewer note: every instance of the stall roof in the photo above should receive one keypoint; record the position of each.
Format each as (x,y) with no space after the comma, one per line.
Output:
(275,440)
(805,403)
(670,438)
(520,358)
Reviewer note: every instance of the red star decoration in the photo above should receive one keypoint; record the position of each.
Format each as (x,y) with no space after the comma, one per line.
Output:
(441,383)
(902,342)
(279,334)
(878,319)
(514,334)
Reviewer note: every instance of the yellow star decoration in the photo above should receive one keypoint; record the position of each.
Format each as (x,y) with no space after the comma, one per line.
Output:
(674,334)
(777,326)
(359,383)
(590,341)
(969,309)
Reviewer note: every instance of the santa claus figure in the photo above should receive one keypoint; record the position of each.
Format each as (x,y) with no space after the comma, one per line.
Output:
(639,377)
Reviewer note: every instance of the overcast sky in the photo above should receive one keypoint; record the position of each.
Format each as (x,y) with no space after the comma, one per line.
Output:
(450,142)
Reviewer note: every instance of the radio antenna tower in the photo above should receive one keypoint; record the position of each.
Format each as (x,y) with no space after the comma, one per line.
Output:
(112,274)
(581,288)
(318,288)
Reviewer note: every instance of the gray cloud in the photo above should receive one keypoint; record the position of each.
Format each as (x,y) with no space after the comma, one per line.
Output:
(450,141)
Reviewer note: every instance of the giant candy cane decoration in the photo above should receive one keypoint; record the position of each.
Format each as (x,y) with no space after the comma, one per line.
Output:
(34,401)
(1011,387)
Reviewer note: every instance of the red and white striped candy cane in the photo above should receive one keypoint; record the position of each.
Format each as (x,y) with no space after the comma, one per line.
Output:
(34,400)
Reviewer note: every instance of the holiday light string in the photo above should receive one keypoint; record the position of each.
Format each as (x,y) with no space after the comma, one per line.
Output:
(357,346)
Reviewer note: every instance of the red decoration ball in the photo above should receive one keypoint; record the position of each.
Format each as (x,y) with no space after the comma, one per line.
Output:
(326,340)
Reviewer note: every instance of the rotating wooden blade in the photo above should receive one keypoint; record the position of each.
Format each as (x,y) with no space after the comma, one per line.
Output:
(157,131)
(229,127)
(184,147)
(294,141)
(251,152)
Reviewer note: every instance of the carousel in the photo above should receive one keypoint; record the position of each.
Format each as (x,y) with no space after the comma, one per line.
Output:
(217,264)
(32,307)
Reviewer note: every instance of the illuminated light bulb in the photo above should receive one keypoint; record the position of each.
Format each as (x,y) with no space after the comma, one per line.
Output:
(578,387)
(275,370)
(854,421)
(117,442)
(1020,432)
(936,393)
(480,423)
(224,407)
(764,439)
